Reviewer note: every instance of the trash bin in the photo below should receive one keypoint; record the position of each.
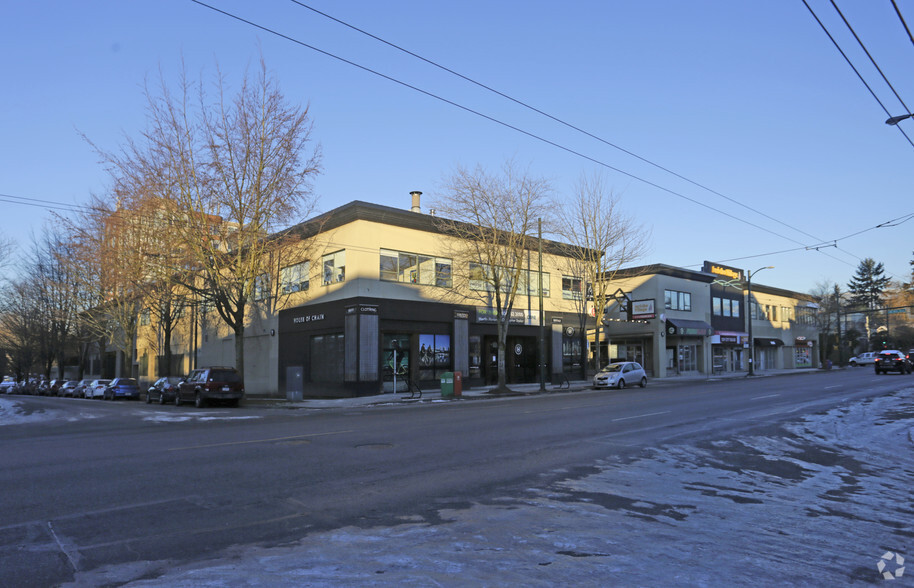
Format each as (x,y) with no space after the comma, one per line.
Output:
(447,384)
(458,384)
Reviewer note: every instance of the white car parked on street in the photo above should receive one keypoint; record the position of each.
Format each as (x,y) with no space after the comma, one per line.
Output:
(619,375)
(868,358)
(97,388)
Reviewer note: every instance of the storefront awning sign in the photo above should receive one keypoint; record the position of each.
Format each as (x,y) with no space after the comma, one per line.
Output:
(683,327)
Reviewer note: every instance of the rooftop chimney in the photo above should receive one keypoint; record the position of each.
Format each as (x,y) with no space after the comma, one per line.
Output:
(415,194)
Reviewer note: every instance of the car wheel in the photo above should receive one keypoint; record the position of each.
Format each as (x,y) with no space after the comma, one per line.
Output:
(177,398)
(198,401)
(621,384)
(161,399)
(853,364)
(643,382)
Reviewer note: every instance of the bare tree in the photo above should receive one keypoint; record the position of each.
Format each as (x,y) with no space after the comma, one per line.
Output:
(19,326)
(229,173)
(54,287)
(497,226)
(604,239)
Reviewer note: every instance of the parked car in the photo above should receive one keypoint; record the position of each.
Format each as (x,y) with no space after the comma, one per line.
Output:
(122,388)
(80,390)
(620,374)
(8,386)
(54,387)
(67,388)
(163,390)
(867,358)
(212,383)
(892,360)
(97,388)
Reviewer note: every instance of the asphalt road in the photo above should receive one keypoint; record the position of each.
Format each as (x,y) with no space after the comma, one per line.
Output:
(88,484)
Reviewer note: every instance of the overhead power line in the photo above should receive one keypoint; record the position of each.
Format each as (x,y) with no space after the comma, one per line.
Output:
(856,71)
(552,117)
(507,125)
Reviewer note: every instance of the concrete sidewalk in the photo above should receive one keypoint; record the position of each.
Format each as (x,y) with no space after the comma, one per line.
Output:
(481,392)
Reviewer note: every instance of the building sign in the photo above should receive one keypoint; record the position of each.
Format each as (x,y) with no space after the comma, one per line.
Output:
(362,309)
(725,272)
(643,310)
(308,318)
(461,315)
(518,317)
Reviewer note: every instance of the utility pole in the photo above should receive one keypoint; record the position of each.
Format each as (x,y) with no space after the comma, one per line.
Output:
(542,316)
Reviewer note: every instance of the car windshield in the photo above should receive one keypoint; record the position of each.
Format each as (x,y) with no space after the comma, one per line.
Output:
(616,367)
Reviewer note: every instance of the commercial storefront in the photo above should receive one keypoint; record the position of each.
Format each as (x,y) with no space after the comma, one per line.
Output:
(685,346)
(728,349)
(356,347)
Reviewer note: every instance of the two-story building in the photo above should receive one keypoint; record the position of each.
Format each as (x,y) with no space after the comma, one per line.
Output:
(688,322)
(376,294)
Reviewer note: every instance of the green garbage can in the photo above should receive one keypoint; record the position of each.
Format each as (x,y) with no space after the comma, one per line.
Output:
(447,385)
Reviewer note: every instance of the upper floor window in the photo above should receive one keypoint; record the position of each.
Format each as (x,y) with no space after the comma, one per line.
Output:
(334,265)
(806,315)
(295,278)
(572,288)
(675,300)
(483,277)
(727,307)
(414,268)
(530,283)
(262,287)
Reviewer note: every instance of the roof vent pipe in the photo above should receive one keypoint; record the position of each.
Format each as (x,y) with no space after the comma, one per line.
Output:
(415,194)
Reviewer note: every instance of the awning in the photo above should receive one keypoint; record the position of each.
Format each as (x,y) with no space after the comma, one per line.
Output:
(766,342)
(729,338)
(683,327)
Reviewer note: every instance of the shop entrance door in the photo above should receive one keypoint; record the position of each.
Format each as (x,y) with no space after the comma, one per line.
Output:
(520,359)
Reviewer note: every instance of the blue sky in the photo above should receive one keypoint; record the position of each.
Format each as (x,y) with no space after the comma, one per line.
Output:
(750,99)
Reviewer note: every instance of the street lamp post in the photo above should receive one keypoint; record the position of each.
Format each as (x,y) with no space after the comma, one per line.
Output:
(897,119)
(749,314)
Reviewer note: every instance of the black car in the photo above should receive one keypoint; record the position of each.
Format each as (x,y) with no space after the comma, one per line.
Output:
(163,390)
(892,360)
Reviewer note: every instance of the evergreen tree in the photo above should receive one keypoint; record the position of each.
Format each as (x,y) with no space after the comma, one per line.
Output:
(867,285)
(910,285)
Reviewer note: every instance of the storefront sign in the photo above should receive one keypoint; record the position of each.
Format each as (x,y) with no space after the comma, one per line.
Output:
(362,309)
(308,318)
(461,315)
(518,317)
(723,270)
(643,310)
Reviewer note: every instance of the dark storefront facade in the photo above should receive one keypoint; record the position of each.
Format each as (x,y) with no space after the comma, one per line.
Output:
(365,346)
(730,342)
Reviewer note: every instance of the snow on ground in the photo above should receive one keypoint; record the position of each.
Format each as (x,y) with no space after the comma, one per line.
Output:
(818,501)
(180,417)
(13,413)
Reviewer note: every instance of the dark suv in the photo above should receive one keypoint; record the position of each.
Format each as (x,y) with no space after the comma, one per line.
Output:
(212,383)
(892,360)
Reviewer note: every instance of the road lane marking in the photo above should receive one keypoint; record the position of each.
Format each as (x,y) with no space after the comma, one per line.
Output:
(640,416)
(768,396)
(832,387)
(259,440)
